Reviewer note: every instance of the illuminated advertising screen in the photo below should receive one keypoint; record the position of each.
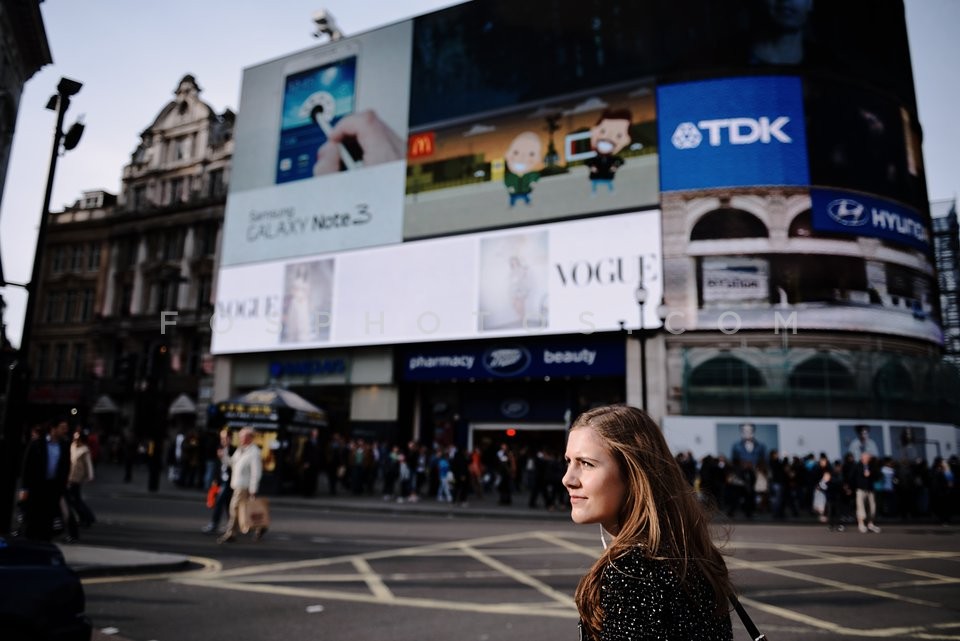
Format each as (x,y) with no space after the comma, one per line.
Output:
(564,278)
(320,154)
(478,57)
(732,132)
(864,141)
(856,214)
(587,153)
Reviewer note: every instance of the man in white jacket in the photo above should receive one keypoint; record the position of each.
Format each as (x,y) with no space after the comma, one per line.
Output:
(247,468)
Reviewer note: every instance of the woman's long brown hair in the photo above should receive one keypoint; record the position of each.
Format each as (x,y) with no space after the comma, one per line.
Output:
(661,512)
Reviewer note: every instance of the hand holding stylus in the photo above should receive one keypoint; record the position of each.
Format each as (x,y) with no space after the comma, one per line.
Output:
(378,141)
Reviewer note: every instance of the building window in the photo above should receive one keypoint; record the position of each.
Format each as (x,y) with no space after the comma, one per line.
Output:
(125,300)
(181,148)
(128,252)
(70,307)
(204,286)
(40,365)
(59,360)
(76,259)
(168,295)
(722,224)
(93,257)
(79,361)
(821,373)
(726,371)
(177,189)
(86,305)
(207,235)
(52,307)
(172,245)
(216,183)
(56,260)
(139,197)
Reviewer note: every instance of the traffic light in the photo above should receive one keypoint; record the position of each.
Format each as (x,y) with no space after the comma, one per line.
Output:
(158,361)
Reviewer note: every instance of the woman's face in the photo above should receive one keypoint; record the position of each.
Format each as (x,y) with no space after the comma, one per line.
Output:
(593,479)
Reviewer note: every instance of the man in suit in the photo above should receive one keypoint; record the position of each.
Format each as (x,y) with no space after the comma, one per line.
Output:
(46,465)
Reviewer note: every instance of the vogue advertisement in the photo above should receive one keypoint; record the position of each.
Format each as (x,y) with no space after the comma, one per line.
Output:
(564,278)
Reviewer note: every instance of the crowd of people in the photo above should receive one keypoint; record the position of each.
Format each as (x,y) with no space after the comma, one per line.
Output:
(447,473)
(750,482)
(850,490)
(862,489)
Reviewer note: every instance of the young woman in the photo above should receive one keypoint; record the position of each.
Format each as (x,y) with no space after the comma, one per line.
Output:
(660,575)
(81,472)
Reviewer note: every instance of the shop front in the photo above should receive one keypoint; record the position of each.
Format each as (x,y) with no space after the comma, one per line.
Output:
(523,392)
(354,386)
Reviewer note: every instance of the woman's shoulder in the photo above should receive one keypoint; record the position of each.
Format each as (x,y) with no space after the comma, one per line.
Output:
(637,564)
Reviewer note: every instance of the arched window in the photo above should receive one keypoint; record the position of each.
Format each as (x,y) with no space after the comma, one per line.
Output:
(726,223)
(725,371)
(821,372)
(893,379)
(802,227)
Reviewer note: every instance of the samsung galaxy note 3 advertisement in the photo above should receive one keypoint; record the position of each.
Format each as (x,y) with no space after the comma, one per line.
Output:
(320,151)
(572,277)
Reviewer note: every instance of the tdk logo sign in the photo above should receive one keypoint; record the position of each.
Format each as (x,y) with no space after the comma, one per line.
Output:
(847,212)
(734,131)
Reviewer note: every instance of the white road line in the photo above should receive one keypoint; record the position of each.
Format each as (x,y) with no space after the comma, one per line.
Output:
(833,628)
(520,577)
(518,609)
(373,580)
(848,587)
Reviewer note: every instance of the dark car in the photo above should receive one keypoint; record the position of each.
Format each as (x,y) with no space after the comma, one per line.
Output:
(41,597)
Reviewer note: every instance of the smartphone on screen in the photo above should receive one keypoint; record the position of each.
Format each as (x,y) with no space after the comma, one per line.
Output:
(318,90)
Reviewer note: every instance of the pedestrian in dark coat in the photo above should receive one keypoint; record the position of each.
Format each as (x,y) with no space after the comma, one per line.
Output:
(46,465)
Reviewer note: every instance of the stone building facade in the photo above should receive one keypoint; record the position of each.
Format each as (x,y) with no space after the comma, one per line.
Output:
(126,288)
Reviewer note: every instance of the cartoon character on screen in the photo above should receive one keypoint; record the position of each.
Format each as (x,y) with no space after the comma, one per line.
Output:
(607,138)
(523,161)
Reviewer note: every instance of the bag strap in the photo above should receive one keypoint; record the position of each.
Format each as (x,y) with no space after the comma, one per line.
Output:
(747,621)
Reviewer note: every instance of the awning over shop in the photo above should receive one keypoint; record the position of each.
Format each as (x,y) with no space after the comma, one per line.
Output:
(182,404)
(105,405)
(272,408)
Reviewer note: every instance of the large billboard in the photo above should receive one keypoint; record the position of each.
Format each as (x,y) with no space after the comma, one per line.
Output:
(565,278)
(779,139)
(321,136)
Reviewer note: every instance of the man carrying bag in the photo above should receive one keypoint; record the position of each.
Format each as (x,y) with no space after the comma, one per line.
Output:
(246,470)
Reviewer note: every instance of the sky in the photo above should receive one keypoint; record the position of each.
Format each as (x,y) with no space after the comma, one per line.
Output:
(130,57)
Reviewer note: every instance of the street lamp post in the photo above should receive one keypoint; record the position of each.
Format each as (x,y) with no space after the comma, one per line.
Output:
(15,409)
(641,296)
